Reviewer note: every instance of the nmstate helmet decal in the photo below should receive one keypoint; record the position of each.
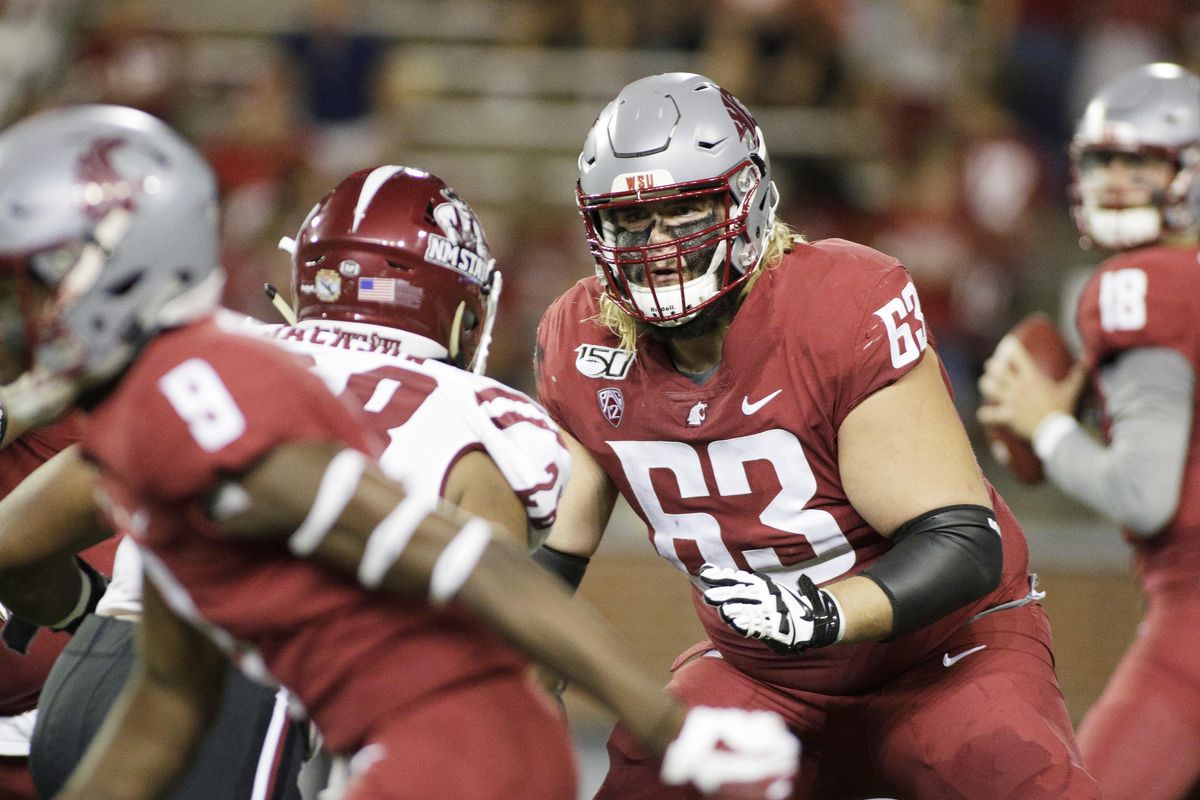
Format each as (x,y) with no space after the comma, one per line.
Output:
(462,247)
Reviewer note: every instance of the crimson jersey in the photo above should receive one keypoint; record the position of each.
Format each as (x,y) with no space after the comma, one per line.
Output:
(200,404)
(743,471)
(24,675)
(1148,298)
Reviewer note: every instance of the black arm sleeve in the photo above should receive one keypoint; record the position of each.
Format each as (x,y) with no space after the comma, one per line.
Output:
(566,566)
(939,562)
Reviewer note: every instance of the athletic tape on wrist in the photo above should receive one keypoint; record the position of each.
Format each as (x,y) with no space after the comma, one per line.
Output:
(338,485)
(1051,431)
(458,560)
(390,537)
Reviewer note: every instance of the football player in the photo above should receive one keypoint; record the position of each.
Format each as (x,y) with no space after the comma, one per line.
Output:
(268,531)
(1135,191)
(26,658)
(776,413)
(392,275)
(27,655)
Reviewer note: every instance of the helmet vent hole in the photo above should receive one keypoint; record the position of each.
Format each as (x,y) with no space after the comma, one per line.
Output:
(124,286)
(397,265)
(709,145)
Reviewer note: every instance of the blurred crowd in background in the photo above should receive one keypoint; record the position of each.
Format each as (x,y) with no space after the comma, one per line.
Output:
(934,130)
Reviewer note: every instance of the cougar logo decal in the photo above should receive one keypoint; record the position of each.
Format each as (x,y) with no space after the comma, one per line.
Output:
(102,187)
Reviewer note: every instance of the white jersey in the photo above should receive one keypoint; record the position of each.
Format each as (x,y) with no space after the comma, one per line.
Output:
(452,412)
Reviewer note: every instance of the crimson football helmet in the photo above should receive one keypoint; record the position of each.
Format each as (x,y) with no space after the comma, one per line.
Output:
(1151,110)
(666,139)
(396,246)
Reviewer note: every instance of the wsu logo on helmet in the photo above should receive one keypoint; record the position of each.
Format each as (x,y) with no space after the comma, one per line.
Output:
(101,188)
(743,122)
(462,247)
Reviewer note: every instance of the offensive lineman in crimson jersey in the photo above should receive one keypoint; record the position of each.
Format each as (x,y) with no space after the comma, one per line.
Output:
(268,530)
(775,411)
(1136,191)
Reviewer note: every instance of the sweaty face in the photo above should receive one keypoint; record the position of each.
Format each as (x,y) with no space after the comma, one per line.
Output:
(685,227)
(1119,180)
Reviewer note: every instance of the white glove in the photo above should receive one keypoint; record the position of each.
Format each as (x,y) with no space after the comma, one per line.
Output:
(758,608)
(721,746)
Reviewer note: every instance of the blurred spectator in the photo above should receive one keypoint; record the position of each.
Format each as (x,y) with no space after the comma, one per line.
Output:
(258,158)
(128,60)
(1036,52)
(338,67)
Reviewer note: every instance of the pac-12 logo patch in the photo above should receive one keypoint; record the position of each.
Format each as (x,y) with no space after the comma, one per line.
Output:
(598,361)
(612,405)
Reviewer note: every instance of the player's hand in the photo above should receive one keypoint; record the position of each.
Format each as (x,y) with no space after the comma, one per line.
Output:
(34,399)
(749,754)
(789,621)
(1018,394)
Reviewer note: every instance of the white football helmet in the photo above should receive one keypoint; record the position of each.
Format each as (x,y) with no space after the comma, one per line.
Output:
(670,137)
(114,214)
(1152,110)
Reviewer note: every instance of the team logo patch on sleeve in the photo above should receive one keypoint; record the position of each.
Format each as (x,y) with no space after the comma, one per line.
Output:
(598,361)
(612,405)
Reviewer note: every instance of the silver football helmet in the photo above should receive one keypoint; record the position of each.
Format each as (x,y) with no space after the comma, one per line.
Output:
(114,215)
(668,138)
(1152,110)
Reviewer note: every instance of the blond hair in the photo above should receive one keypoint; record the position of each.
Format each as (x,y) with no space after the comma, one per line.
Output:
(779,243)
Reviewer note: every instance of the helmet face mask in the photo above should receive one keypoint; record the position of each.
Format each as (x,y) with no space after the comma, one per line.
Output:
(1135,159)
(674,141)
(395,246)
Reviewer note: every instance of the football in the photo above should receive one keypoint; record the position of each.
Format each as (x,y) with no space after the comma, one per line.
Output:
(1040,336)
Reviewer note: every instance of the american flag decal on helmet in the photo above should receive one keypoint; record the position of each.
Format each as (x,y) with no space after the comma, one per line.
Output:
(612,405)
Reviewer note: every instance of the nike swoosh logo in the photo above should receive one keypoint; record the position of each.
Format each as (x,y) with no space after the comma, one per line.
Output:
(949,660)
(749,408)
